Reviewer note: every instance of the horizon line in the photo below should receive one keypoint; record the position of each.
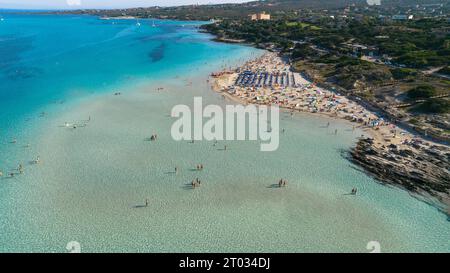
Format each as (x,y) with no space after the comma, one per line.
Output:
(116,8)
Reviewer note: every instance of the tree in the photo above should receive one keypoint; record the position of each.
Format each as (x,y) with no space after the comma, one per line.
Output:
(422,92)
(403,73)
(435,106)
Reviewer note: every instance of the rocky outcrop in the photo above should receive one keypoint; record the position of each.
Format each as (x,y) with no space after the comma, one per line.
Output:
(420,168)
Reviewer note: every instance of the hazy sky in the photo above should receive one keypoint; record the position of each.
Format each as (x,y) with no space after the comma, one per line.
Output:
(33,4)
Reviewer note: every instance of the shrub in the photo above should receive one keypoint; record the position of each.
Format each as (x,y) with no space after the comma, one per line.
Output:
(422,92)
(445,70)
(435,106)
(403,73)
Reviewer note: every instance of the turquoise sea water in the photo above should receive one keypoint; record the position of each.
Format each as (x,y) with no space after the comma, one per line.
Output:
(93,180)
(46,58)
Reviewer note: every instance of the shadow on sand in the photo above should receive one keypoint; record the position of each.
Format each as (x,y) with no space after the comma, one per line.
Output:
(187,186)
(140,206)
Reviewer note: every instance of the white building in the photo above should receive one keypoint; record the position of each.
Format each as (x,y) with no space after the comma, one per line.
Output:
(259,16)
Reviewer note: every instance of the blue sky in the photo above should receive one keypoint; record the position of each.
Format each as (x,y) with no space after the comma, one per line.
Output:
(59,4)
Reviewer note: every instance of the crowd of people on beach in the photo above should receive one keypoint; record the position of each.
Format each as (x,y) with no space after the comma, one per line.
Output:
(303,96)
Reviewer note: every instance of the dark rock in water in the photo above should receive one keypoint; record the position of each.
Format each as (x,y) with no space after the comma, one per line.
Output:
(406,153)
(424,172)
(439,148)
(157,54)
(433,152)
(392,146)
(391,158)
(11,49)
(417,146)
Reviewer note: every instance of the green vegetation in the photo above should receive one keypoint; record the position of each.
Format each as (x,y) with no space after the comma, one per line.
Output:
(445,71)
(303,51)
(279,8)
(422,92)
(434,106)
(403,73)
(357,49)
(413,44)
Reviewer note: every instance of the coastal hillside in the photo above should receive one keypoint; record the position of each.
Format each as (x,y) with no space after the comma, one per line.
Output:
(278,8)
(394,56)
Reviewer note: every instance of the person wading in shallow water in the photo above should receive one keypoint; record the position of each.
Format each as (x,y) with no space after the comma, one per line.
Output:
(282,183)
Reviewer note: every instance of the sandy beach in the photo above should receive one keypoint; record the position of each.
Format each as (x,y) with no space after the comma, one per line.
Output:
(305,96)
(87,168)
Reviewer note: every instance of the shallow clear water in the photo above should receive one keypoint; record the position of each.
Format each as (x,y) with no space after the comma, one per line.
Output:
(93,180)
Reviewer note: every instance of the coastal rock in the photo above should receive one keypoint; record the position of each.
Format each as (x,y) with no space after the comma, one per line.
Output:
(423,172)
(406,153)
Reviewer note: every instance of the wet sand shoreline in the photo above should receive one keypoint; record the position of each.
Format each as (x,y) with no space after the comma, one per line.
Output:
(382,139)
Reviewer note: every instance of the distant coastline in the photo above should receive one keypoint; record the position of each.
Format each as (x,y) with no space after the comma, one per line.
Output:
(100,180)
(118,18)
